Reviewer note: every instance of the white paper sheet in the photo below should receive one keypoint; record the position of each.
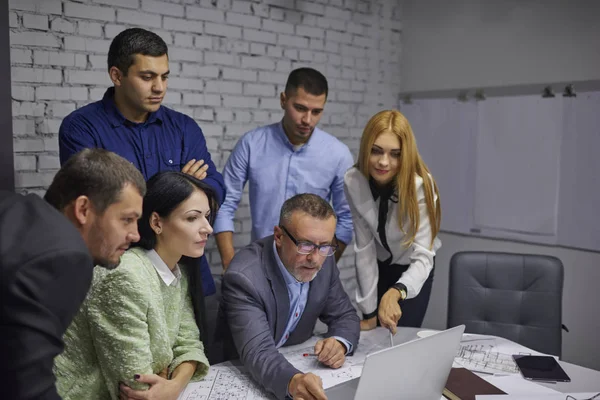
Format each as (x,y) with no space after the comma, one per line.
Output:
(370,341)
(557,396)
(489,354)
(516,385)
(225,381)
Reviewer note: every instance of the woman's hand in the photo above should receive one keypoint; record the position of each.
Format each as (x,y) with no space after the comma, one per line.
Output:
(389,310)
(160,389)
(368,324)
(164,373)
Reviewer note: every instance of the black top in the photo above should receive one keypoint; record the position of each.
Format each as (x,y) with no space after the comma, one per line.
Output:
(45,273)
(387,193)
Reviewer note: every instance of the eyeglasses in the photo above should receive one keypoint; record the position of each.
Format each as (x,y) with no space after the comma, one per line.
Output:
(325,250)
(597,396)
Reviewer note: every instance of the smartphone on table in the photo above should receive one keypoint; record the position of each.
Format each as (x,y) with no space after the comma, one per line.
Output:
(541,368)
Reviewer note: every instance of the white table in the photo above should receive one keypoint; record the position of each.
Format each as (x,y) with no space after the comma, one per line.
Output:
(230,380)
(582,379)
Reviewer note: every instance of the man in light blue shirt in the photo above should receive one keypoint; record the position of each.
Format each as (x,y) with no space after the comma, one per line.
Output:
(283,159)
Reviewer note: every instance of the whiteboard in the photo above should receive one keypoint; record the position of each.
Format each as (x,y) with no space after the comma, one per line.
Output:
(522,167)
(518,164)
(444,130)
(579,215)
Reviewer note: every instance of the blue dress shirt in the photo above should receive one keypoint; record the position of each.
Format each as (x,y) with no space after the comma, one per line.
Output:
(166,141)
(298,293)
(277,170)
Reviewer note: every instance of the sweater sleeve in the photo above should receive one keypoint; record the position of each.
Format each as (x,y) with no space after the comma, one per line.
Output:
(188,346)
(116,309)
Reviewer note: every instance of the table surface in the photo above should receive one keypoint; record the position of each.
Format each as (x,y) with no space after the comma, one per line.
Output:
(582,379)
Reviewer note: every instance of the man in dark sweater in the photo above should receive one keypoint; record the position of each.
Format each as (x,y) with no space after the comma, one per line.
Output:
(48,250)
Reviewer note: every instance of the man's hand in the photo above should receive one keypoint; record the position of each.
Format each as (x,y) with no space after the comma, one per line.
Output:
(195,168)
(306,387)
(160,389)
(368,324)
(389,310)
(331,352)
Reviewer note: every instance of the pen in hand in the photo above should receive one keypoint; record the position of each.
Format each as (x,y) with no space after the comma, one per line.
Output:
(391,339)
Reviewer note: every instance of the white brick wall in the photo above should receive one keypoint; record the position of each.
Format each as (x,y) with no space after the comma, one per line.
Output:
(229,60)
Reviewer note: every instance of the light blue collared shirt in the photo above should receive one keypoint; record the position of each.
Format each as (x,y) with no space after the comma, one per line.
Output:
(277,170)
(298,293)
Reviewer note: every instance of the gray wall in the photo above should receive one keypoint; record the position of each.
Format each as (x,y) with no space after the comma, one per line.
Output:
(477,43)
(466,44)
(7,181)
(580,295)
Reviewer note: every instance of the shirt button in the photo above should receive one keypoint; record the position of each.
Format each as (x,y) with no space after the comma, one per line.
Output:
(170,161)
(148,156)
(296,315)
(286,335)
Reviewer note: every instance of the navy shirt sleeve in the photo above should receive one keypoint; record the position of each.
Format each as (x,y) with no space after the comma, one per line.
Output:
(195,144)
(74,135)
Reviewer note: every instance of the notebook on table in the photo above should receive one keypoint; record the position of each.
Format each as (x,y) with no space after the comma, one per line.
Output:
(463,384)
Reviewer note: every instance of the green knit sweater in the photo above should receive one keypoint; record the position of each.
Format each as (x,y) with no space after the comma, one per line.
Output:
(130,323)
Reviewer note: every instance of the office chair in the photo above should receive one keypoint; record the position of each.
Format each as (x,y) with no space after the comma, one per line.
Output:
(514,296)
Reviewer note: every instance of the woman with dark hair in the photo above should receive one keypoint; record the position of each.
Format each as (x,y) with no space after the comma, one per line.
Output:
(136,329)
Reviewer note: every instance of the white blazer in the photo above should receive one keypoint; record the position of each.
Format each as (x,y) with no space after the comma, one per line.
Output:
(368,247)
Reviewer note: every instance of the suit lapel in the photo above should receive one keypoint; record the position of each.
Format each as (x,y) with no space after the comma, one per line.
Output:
(279,290)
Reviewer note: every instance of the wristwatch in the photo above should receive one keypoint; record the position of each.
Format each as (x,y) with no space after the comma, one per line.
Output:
(402,289)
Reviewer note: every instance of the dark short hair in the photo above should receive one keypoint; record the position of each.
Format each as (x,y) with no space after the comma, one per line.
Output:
(312,81)
(99,174)
(308,203)
(166,191)
(134,41)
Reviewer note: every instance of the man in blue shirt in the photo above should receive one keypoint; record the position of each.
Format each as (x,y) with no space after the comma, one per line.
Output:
(284,159)
(131,122)
(275,290)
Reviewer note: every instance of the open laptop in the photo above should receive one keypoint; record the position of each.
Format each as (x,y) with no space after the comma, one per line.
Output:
(415,370)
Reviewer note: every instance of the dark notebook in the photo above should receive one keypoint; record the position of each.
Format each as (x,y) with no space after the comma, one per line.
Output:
(462,384)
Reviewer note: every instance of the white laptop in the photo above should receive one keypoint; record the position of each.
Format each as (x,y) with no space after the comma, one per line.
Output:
(415,370)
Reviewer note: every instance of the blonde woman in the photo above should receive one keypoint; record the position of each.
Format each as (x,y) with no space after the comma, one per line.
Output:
(396,213)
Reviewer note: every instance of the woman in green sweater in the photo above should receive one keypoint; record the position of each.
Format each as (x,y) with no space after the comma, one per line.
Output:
(136,329)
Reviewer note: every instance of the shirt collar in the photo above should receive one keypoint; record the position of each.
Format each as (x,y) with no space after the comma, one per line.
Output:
(287,277)
(287,142)
(386,192)
(170,278)
(115,116)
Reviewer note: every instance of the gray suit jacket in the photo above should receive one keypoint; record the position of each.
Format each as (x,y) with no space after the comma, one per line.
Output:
(255,307)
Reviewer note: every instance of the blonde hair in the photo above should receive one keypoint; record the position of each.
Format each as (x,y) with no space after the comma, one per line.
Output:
(411,164)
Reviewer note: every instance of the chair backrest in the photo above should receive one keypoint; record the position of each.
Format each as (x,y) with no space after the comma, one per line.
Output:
(515,296)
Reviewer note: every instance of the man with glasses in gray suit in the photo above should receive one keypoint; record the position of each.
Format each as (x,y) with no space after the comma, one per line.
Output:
(274,291)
